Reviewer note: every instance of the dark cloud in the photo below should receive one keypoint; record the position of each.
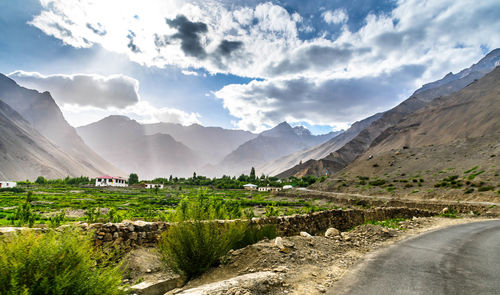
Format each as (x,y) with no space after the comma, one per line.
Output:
(339,100)
(84,90)
(131,44)
(316,57)
(225,48)
(97,29)
(189,34)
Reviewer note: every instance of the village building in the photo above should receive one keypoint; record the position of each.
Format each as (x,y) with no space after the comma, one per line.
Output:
(110,181)
(287,187)
(7,184)
(153,185)
(250,187)
(269,189)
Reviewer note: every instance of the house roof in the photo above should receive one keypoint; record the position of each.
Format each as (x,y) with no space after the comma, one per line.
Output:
(110,177)
(250,184)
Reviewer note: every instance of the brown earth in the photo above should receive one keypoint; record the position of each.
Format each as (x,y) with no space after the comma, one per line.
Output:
(306,265)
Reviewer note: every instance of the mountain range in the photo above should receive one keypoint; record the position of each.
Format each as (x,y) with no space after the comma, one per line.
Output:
(341,157)
(35,139)
(31,111)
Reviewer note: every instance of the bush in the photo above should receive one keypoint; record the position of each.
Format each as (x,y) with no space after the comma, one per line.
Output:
(196,242)
(16,190)
(377,182)
(55,263)
(485,188)
(272,211)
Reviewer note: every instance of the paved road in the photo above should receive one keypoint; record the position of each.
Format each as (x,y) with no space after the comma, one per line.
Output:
(462,259)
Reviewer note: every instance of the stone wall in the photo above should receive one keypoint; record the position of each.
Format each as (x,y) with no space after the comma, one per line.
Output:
(140,233)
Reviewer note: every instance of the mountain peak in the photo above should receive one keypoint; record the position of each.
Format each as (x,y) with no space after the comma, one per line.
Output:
(278,130)
(301,131)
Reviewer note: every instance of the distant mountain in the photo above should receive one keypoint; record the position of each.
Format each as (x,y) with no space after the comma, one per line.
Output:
(458,134)
(210,143)
(358,145)
(271,144)
(317,152)
(126,144)
(26,154)
(41,111)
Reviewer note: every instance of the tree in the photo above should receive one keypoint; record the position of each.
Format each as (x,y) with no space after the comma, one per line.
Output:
(252,174)
(133,179)
(40,180)
(194,175)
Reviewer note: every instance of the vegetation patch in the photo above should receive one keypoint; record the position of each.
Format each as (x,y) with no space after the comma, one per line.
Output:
(56,263)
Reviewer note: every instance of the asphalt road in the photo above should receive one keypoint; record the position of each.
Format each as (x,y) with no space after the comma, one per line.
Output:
(462,259)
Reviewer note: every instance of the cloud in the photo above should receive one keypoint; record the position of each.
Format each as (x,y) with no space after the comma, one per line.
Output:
(262,40)
(337,16)
(262,104)
(189,33)
(189,73)
(144,112)
(117,91)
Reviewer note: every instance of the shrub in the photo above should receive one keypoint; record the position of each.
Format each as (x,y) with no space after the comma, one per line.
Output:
(272,211)
(16,190)
(485,188)
(55,263)
(377,182)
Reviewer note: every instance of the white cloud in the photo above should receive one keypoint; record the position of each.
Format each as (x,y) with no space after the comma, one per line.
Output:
(337,16)
(144,112)
(189,73)
(263,42)
(117,91)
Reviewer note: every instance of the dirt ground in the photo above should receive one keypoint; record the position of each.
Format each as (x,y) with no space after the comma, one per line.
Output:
(305,265)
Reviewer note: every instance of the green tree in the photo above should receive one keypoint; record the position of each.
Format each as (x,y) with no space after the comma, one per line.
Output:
(133,179)
(40,180)
(252,174)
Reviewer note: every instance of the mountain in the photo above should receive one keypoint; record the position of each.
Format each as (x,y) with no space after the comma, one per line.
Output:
(458,134)
(41,111)
(271,144)
(317,152)
(26,154)
(210,143)
(358,145)
(125,143)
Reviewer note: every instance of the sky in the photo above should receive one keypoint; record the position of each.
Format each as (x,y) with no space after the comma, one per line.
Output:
(239,64)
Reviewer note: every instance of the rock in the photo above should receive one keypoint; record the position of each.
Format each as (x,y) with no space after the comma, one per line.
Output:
(445,210)
(345,236)
(281,268)
(305,234)
(279,243)
(332,232)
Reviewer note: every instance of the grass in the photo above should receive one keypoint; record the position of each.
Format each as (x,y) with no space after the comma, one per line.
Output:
(389,223)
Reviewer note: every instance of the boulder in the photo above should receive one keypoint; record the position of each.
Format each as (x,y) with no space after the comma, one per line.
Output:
(332,232)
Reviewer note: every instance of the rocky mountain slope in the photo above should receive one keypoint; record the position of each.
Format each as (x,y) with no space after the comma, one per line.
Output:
(452,142)
(26,154)
(126,144)
(210,143)
(358,145)
(317,152)
(271,144)
(41,111)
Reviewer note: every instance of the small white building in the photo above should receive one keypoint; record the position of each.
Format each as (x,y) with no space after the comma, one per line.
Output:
(153,185)
(110,181)
(7,184)
(269,189)
(250,186)
(287,187)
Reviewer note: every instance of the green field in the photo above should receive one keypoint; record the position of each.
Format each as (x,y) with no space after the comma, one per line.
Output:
(70,203)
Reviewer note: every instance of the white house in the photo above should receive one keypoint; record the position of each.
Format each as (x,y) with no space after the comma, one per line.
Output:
(6,184)
(154,185)
(287,186)
(250,187)
(269,189)
(110,181)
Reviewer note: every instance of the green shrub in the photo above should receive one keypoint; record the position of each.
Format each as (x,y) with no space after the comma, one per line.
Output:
(57,219)
(469,191)
(485,188)
(377,182)
(55,263)
(272,211)
(16,190)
